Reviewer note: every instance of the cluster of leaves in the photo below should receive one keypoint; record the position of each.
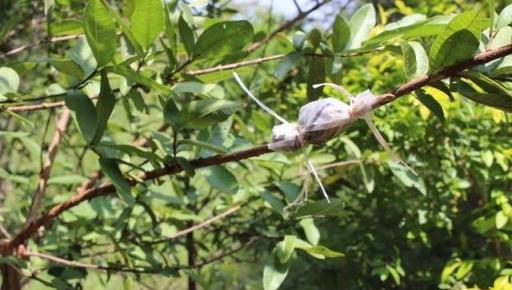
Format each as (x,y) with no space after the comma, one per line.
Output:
(130,77)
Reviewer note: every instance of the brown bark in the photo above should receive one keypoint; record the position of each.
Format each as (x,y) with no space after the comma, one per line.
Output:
(11,278)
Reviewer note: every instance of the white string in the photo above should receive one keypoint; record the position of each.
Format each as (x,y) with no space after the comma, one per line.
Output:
(339,88)
(315,174)
(271,112)
(260,103)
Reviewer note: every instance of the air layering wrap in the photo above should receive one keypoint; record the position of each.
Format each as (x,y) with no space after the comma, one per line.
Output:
(320,121)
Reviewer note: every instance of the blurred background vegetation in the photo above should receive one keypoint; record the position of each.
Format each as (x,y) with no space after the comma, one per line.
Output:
(446,228)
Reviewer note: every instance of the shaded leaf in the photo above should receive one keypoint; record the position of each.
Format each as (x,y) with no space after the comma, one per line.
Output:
(104,107)
(274,272)
(85,112)
(203,113)
(340,34)
(110,168)
(223,38)
(431,103)
(286,64)
(221,179)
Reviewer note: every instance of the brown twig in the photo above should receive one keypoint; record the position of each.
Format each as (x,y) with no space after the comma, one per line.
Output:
(170,169)
(74,264)
(285,26)
(235,65)
(271,58)
(37,43)
(5,232)
(47,167)
(201,225)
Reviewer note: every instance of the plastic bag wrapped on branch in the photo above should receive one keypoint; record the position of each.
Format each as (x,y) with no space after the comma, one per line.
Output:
(322,120)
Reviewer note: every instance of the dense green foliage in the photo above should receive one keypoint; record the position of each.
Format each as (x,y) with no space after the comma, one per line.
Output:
(130,73)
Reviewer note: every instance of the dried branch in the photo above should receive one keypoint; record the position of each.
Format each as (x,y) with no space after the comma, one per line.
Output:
(171,169)
(47,167)
(235,65)
(143,270)
(193,228)
(285,26)
(37,43)
(5,232)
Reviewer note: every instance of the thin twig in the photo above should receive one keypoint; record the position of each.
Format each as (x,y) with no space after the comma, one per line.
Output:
(285,26)
(271,58)
(199,226)
(37,43)
(5,232)
(45,171)
(235,65)
(171,169)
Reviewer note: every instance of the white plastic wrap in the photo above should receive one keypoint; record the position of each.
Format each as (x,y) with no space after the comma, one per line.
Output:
(320,121)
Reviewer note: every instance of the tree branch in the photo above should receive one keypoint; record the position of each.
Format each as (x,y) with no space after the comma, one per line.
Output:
(199,226)
(285,26)
(37,43)
(171,169)
(45,172)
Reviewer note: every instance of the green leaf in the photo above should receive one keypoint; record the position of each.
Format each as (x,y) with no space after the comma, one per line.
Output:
(198,88)
(459,41)
(85,112)
(186,35)
(67,179)
(487,84)
(431,103)
(171,112)
(285,249)
(311,231)
(317,251)
(287,64)
(9,81)
(104,107)
(221,179)
(147,21)
(501,220)
(100,31)
(68,67)
(203,113)
(505,17)
(110,168)
(361,23)
(415,59)
(440,85)
(487,158)
(407,178)
(299,39)
(274,272)
(430,27)
(223,38)
(276,203)
(340,34)
(138,78)
(498,101)
(67,27)
(320,208)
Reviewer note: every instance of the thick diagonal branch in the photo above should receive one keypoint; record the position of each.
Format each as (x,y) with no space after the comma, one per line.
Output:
(171,169)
